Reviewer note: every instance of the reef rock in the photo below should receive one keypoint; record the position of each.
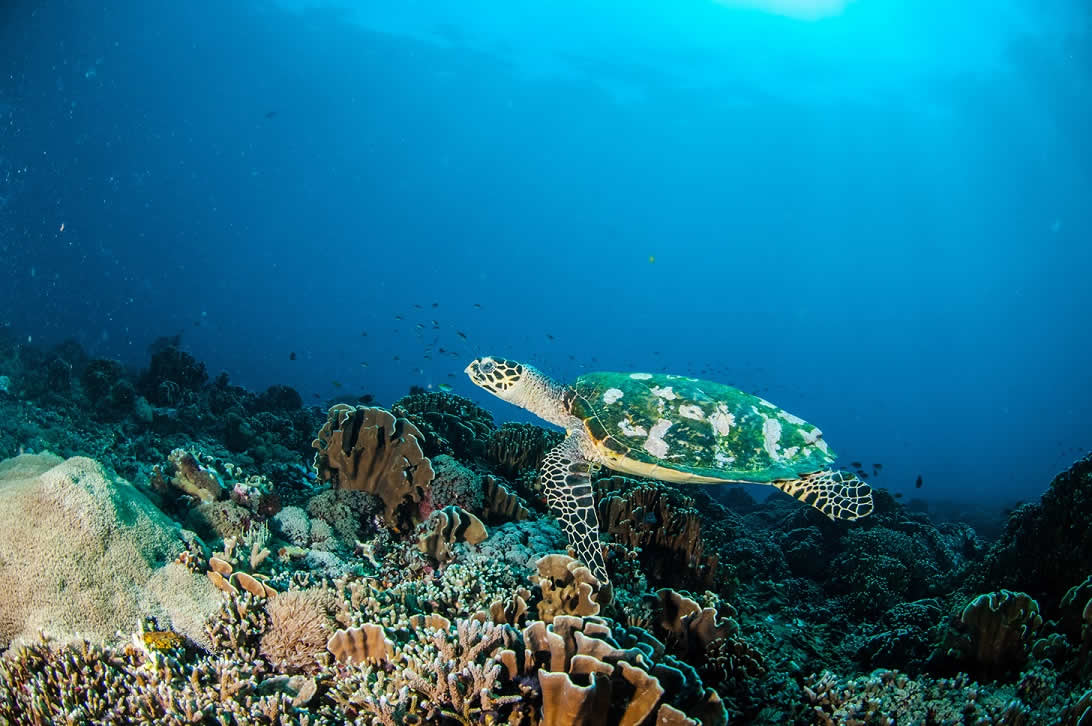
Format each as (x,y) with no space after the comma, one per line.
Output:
(82,551)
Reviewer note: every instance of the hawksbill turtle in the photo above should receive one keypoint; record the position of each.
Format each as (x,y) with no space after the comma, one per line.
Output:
(667,427)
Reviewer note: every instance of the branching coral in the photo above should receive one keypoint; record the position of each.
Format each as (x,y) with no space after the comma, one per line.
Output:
(368,449)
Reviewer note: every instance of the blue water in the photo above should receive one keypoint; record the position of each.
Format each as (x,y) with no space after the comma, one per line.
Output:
(875,214)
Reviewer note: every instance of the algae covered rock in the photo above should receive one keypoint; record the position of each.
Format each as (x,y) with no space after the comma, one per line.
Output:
(82,551)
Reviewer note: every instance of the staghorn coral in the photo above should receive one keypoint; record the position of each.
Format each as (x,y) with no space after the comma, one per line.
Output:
(515,448)
(368,449)
(45,683)
(300,624)
(447,526)
(462,679)
(567,586)
(663,524)
(452,424)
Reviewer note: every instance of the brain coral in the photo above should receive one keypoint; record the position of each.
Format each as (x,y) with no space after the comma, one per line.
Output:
(81,550)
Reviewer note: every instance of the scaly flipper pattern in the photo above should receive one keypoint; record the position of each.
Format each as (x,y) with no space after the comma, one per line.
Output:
(566,478)
(837,494)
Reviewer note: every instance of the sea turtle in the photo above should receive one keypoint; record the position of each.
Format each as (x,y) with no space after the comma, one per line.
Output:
(667,427)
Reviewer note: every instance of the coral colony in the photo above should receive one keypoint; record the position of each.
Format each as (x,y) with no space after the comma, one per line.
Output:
(183,551)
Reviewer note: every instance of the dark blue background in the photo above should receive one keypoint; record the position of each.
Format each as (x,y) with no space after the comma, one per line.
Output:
(878,219)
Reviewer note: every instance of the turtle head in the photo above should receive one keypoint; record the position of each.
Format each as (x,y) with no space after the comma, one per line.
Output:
(503,378)
(522,385)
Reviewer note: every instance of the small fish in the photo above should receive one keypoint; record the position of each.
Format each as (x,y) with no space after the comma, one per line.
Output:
(363,364)
(549,336)
(855,464)
(336,384)
(270,114)
(435,305)
(396,358)
(461,334)
(651,259)
(316,395)
(363,332)
(862,475)
(878,467)
(398,317)
(418,306)
(419,326)
(445,387)
(366,398)
(292,355)
(898,495)
(450,375)
(477,305)
(441,350)
(917,483)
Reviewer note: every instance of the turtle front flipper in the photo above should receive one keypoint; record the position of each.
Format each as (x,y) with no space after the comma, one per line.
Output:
(837,494)
(566,478)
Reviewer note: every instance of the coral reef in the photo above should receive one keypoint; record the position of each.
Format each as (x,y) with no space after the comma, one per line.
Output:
(198,571)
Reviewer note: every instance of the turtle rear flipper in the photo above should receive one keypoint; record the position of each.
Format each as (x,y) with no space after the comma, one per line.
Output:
(837,494)
(566,478)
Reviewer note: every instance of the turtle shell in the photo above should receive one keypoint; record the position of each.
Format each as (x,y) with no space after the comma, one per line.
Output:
(645,423)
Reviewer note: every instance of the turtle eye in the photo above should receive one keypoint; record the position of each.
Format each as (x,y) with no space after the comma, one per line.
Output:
(487,366)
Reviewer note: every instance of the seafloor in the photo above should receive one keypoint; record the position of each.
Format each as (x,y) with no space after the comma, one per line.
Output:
(178,550)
